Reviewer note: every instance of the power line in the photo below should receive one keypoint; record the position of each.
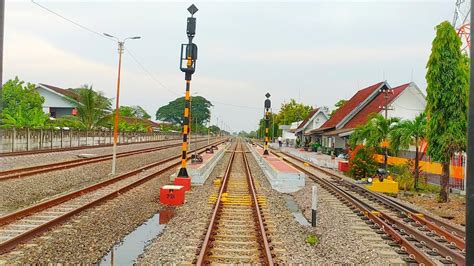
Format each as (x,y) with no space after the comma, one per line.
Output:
(131,54)
(71,21)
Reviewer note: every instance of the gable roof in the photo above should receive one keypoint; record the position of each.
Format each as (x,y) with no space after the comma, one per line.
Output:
(350,105)
(374,106)
(63,92)
(306,120)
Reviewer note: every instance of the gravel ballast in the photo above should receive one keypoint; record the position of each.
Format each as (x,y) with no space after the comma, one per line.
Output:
(337,244)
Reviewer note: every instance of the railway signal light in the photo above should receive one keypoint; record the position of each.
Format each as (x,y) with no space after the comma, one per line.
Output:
(188,66)
(267,105)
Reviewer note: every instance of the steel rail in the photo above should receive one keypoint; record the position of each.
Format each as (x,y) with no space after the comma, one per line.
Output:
(263,243)
(38,169)
(427,220)
(82,147)
(415,253)
(6,219)
(212,224)
(263,234)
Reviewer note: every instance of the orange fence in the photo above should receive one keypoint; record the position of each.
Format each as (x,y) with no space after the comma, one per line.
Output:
(427,167)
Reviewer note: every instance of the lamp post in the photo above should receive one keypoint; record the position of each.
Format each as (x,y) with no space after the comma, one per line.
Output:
(188,66)
(117,102)
(267,106)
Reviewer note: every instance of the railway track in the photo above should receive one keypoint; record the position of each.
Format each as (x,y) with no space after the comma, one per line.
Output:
(43,168)
(238,229)
(40,151)
(20,226)
(421,238)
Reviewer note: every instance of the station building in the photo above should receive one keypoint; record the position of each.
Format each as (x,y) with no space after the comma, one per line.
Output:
(58,102)
(405,102)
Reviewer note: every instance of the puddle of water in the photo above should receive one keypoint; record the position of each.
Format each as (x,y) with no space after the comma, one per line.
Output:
(132,245)
(295,210)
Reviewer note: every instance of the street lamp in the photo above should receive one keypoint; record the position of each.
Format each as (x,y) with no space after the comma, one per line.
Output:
(187,65)
(267,105)
(117,106)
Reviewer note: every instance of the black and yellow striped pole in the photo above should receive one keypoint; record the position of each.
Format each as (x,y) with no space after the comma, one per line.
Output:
(267,107)
(188,66)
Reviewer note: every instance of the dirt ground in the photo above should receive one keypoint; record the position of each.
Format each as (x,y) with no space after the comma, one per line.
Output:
(454,209)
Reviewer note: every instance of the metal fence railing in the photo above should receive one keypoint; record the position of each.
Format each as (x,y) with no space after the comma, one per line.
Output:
(13,140)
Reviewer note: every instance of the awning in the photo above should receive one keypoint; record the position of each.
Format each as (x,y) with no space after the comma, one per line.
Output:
(339,132)
(317,131)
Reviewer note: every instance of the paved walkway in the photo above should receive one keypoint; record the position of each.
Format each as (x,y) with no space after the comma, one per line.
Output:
(322,160)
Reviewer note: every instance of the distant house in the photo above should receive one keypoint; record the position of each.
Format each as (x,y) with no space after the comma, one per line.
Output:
(58,102)
(405,101)
(314,120)
(288,131)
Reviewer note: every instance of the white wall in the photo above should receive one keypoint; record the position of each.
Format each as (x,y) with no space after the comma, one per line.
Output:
(408,105)
(53,100)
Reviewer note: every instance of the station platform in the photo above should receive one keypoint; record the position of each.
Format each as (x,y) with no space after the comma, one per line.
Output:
(322,160)
(200,171)
(282,176)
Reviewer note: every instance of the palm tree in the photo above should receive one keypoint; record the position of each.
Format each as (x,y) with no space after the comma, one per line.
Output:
(411,132)
(91,107)
(376,131)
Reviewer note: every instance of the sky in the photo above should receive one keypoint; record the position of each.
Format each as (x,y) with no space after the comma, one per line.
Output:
(316,52)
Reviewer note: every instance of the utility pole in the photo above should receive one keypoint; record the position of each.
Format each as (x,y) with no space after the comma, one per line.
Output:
(470,169)
(188,66)
(2,26)
(386,90)
(267,106)
(117,101)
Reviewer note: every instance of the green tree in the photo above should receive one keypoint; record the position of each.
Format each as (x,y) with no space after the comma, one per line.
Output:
(173,111)
(23,105)
(92,107)
(374,132)
(410,132)
(447,89)
(338,105)
(134,111)
(292,112)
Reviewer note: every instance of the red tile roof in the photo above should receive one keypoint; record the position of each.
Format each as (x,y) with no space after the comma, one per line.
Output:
(305,121)
(350,105)
(68,93)
(374,107)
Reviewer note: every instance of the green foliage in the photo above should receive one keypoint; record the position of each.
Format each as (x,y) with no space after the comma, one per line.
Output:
(404,176)
(67,121)
(292,112)
(362,163)
(447,98)
(338,105)
(92,107)
(125,126)
(134,111)
(312,240)
(447,89)
(23,105)
(173,111)
(410,132)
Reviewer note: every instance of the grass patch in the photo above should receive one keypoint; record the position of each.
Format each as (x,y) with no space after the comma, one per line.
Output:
(312,240)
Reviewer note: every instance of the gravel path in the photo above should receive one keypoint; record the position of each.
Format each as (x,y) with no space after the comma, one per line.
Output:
(18,193)
(86,237)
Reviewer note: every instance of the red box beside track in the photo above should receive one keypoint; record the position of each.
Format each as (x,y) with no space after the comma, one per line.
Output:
(172,195)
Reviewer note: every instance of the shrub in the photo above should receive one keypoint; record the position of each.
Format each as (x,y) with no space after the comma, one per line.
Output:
(312,240)
(362,163)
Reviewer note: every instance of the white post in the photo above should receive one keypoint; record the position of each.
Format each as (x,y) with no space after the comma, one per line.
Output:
(314,205)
